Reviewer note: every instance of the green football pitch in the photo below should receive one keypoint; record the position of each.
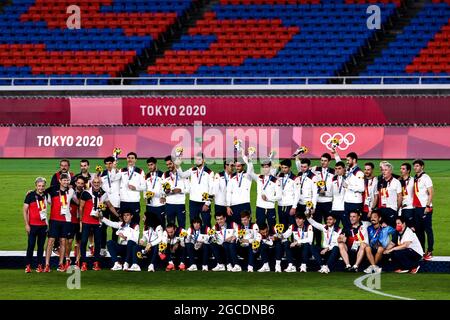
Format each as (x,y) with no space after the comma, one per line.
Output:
(17,177)
(218,286)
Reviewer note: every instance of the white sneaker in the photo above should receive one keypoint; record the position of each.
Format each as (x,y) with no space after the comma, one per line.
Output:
(322,269)
(205,268)
(125,266)
(249,269)
(219,267)
(117,266)
(192,268)
(290,268)
(264,268)
(103,252)
(303,267)
(134,267)
(369,269)
(151,268)
(229,267)
(236,268)
(377,269)
(326,270)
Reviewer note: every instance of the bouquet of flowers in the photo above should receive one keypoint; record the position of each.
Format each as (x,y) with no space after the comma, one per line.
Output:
(255,245)
(279,228)
(300,150)
(272,154)
(309,207)
(183,234)
(212,236)
(101,206)
(116,153)
(98,169)
(334,143)
(166,187)
(149,195)
(161,248)
(238,145)
(251,151)
(321,184)
(241,233)
(205,196)
(178,151)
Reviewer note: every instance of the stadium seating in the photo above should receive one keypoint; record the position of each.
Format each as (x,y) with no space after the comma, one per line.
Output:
(249,40)
(268,38)
(422,49)
(35,40)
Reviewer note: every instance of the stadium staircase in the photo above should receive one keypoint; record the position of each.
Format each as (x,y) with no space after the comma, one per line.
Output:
(382,38)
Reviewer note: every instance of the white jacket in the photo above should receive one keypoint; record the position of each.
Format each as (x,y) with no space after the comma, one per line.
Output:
(154,182)
(300,236)
(239,188)
(268,186)
(152,237)
(111,185)
(288,188)
(176,182)
(251,232)
(201,181)
(354,180)
(130,231)
(306,189)
(133,176)
(221,181)
(330,235)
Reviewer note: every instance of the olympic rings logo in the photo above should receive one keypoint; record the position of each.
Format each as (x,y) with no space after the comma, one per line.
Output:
(345,141)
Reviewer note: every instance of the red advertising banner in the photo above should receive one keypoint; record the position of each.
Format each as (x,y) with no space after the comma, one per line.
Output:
(217,142)
(239,110)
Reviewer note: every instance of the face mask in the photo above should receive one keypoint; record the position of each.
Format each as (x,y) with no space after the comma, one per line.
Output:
(399,228)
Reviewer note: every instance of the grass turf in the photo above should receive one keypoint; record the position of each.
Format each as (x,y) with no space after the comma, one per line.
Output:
(200,285)
(17,176)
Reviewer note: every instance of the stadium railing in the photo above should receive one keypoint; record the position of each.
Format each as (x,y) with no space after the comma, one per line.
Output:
(381,82)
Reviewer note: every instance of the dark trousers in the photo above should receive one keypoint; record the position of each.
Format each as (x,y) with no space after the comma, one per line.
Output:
(225,253)
(265,249)
(349,207)
(405,259)
(322,210)
(177,211)
(408,214)
(300,254)
(176,256)
(203,252)
(86,230)
(389,215)
(331,256)
(247,253)
(126,252)
(424,226)
(195,211)
(263,215)
(284,217)
(109,215)
(134,208)
(339,215)
(159,213)
(237,209)
(151,256)
(37,236)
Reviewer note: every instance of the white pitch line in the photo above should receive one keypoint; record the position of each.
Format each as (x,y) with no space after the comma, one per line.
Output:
(359,283)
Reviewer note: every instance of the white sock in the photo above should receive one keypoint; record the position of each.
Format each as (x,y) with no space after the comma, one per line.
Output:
(278,263)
